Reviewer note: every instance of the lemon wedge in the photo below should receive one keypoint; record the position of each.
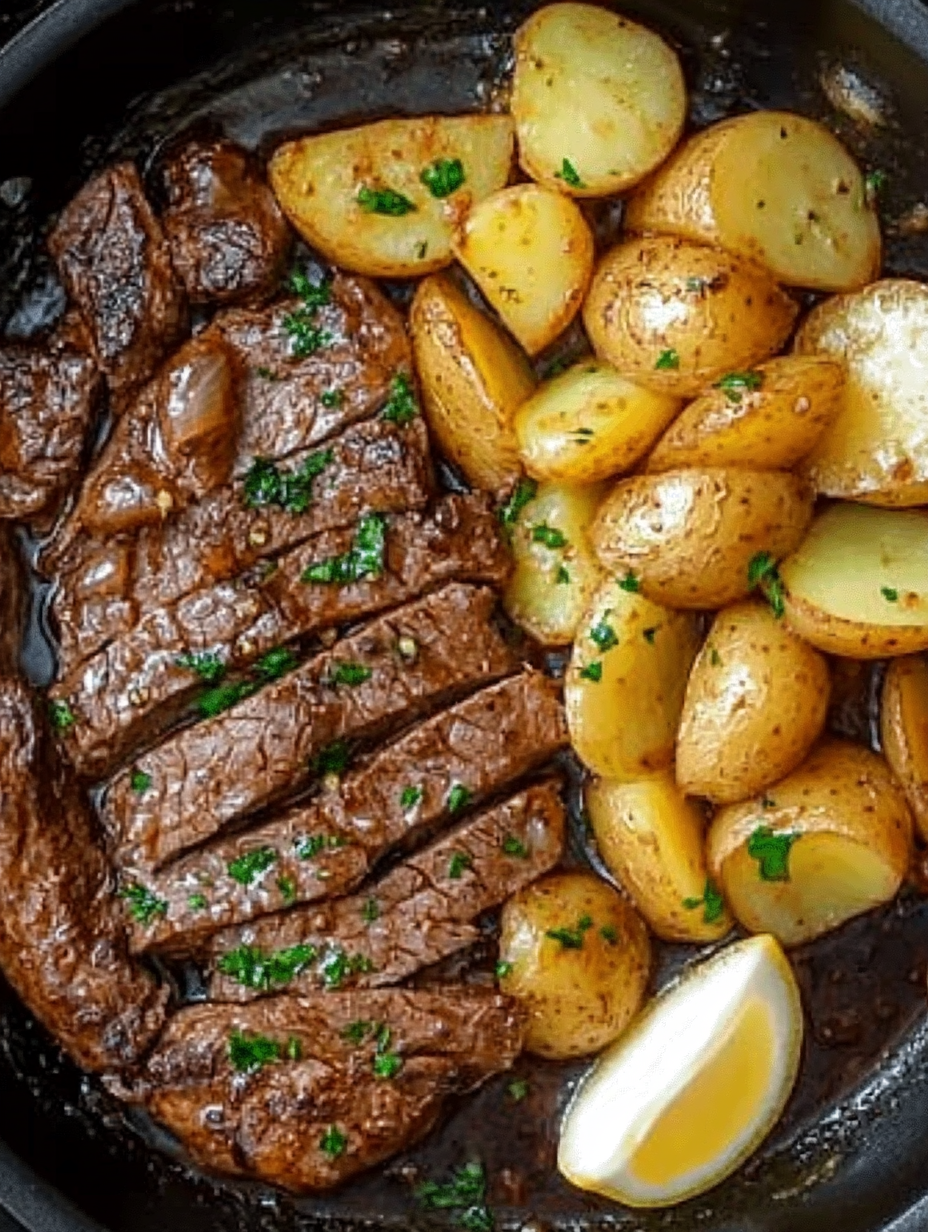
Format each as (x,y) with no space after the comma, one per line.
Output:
(695,1084)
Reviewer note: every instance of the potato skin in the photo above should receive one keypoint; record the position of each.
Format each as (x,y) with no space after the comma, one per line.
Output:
(904,732)
(756,702)
(690,535)
(578,998)
(676,316)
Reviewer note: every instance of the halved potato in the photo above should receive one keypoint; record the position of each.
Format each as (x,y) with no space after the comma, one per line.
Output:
(828,842)
(689,536)
(676,316)
(858,583)
(473,380)
(598,100)
(904,732)
(876,450)
(772,187)
(766,419)
(625,683)
(651,839)
(589,423)
(361,196)
(530,251)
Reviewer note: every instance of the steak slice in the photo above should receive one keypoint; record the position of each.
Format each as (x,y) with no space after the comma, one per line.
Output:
(347,1079)
(143,681)
(62,934)
(412,661)
(419,913)
(326,848)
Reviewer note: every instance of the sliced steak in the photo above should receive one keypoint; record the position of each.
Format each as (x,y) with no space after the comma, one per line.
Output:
(116,266)
(305,1092)
(419,913)
(326,848)
(62,932)
(413,661)
(229,240)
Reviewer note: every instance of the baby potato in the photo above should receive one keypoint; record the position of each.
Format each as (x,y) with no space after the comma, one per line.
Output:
(384,199)
(771,187)
(689,536)
(675,316)
(904,732)
(857,585)
(828,842)
(473,379)
(625,682)
(756,702)
(577,956)
(651,839)
(530,251)
(556,571)
(589,423)
(598,100)
(766,419)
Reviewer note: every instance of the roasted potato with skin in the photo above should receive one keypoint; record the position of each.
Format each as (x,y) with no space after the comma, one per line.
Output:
(530,251)
(366,197)
(689,536)
(473,379)
(876,450)
(756,702)
(556,571)
(625,683)
(857,585)
(830,841)
(904,732)
(774,188)
(577,956)
(764,419)
(675,316)
(651,839)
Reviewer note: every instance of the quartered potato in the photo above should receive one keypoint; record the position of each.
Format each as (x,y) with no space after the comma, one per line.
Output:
(589,423)
(473,380)
(876,450)
(829,841)
(651,840)
(384,199)
(530,251)
(775,188)
(625,683)
(688,537)
(598,100)
(858,584)
(756,702)
(577,956)
(556,571)
(904,732)
(767,418)
(675,316)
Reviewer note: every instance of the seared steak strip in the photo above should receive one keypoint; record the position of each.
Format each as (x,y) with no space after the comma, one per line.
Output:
(62,932)
(305,1092)
(414,660)
(325,849)
(420,912)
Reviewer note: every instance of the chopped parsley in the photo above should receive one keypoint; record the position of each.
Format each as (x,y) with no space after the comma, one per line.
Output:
(517,1090)
(697,285)
(387,1065)
(874,184)
(513,846)
(650,634)
(337,966)
(274,664)
(410,797)
(207,665)
(712,903)
(249,867)
(253,967)
(311,845)
(384,201)
(562,577)
(763,575)
(604,636)
(266,484)
(266,374)
(592,671)
(333,759)
(357,1032)
(62,716)
(313,294)
(224,697)
(550,536)
(503,969)
(568,173)
(443,177)
(294,1049)
(464,1194)
(401,407)
(350,674)
(736,384)
(714,657)
(771,851)
(139,781)
(250,1052)
(571,938)
(458,864)
(197,902)
(306,337)
(668,361)
(630,583)
(370,911)
(890,594)
(365,557)
(332,398)
(144,906)
(287,887)
(524,492)
(333,1142)
(458,797)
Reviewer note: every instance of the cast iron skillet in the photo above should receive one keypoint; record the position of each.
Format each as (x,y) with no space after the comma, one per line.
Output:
(93,79)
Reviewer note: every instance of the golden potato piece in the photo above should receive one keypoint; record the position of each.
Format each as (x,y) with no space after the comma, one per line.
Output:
(904,732)
(765,419)
(857,585)
(473,380)
(876,450)
(756,702)
(577,955)
(651,839)
(689,536)
(774,188)
(830,841)
(366,197)
(675,316)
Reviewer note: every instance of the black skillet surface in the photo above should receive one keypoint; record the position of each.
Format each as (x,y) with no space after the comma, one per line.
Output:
(852,1152)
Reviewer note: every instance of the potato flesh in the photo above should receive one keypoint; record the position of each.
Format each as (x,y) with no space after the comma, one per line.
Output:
(904,732)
